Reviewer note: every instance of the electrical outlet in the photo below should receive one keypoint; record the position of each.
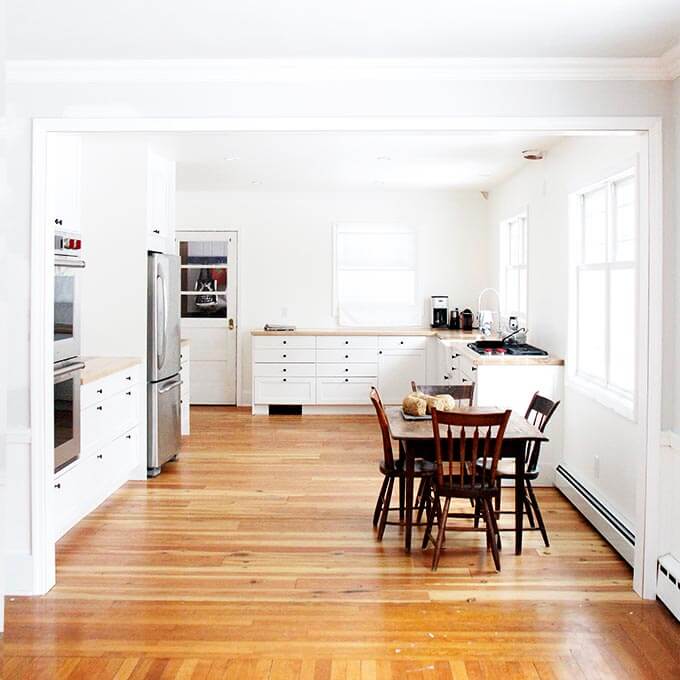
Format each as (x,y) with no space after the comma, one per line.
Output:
(596,467)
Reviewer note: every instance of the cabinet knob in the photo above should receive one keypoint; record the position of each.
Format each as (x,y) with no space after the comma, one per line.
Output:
(285,341)
(100,456)
(128,377)
(379,351)
(285,369)
(57,486)
(156,231)
(446,377)
(100,391)
(100,408)
(347,342)
(347,370)
(346,379)
(128,436)
(474,368)
(284,356)
(346,356)
(284,380)
(129,394)
(58,221)
(464,379)
(401,342)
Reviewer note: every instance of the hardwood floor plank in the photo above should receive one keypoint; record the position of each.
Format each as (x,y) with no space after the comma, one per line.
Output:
(254,558)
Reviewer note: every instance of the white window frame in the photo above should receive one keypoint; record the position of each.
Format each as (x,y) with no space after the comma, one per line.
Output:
(379,227)
(506,266)
(603,391)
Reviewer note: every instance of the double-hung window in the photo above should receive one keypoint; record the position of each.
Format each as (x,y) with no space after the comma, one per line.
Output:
(375,275)
(513,266)
(604,304)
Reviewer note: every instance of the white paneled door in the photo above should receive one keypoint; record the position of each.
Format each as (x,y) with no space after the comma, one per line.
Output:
(209,314)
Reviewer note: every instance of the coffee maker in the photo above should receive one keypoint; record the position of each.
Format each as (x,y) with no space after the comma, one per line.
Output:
(440,311)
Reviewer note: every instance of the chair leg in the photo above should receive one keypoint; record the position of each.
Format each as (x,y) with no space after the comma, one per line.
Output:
(402,495)
(530,514)
(419,493)
(490,518)
(539,516)
(385,508)
(379,502)
(423,498)
(478,512)
(440,534)
(497,500)
(431,510)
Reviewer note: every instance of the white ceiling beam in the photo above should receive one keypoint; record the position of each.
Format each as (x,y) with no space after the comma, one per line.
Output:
(666,67)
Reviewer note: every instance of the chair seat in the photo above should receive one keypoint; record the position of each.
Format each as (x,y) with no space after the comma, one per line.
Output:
(421,468)
(506,469)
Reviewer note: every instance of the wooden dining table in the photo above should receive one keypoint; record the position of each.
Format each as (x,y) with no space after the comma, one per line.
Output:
(416,440)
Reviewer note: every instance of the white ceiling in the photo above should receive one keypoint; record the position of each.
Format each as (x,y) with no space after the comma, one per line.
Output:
(345,161)
(128,29)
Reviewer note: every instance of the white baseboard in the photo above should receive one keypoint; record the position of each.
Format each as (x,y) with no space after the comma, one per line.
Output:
(612,528)
(19,575)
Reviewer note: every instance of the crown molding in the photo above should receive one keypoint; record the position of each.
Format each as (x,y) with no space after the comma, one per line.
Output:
(671,62)
(334,70)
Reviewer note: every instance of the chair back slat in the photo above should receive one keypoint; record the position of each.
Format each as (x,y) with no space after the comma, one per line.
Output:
(539,413)
(384,428)
(461,394)
(470,437)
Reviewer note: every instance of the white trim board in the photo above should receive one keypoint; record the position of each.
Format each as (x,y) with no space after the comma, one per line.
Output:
(21,71)
(41,377)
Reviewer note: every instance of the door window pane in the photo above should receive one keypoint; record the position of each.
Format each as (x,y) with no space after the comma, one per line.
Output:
(622,329)
(204,279)
(204,306)
(203,252)
(592,323)
(625,220)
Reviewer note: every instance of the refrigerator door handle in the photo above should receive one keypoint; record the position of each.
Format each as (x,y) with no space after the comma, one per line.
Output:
(171,386)
(160,325)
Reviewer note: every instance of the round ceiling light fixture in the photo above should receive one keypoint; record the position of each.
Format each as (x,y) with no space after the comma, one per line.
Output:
(532,155)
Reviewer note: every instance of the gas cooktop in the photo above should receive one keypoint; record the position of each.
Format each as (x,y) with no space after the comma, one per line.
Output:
(510,350)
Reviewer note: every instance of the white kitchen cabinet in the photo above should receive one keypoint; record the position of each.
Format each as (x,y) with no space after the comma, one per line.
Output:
(185,389)
(63,181)
(288,390)
(396,369)
(160,204)
(110,447)
(343,390)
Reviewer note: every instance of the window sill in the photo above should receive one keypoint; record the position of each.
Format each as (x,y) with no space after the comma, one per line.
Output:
(605,397)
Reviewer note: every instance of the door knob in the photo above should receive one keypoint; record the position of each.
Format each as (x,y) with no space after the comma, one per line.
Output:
(231,325)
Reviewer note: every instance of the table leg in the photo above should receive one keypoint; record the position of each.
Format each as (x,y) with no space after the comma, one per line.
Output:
(519,498)
(410,469)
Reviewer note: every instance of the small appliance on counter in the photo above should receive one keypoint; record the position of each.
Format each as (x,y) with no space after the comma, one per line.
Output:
(440,311)
(454,321)
(467,317)
(279,328)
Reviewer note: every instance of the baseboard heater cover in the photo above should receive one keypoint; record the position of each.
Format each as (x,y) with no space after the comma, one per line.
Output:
(621,538)
(668,583)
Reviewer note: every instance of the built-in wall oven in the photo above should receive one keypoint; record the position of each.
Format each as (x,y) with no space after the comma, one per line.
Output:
(67,362)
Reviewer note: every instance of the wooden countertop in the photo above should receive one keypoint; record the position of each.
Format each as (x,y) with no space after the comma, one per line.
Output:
(461,338)
(97,368)
(442,333)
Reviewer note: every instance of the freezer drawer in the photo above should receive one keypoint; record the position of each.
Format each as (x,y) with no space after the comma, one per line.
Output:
(164,422)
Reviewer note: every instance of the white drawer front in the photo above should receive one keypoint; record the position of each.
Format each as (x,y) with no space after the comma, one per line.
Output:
(74,494)
(347,370)
(402,342)
(284,390)
(284,341)
(339,356)
(347,341)
(103,421)
(285,355)
(284,370)
(94,392)
(343,390)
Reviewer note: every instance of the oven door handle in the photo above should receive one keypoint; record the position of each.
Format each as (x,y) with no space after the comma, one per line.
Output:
(72,262)
(71,368)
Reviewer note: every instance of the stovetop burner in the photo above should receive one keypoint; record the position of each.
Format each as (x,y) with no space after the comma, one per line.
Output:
(510,350)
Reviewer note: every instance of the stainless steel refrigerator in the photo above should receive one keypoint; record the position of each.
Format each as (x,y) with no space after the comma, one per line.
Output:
(163,361)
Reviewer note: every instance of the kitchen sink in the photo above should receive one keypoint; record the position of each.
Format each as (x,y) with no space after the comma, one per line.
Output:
(511,349)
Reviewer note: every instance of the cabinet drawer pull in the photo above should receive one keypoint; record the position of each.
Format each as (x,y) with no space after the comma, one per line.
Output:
(401,342)
(346,379)
(156,231)
(100,456)
(57,485)
(379,351)
(285,355)
(100,391)
(285,369)
(128,436)
(346,356)
(474,368)
(284,380)
(347,342)
(100,408)
(285,341)
(128,377)
(129,394)
(347,370)
(446,377)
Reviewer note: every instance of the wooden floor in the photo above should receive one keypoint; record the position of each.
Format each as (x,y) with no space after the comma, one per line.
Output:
(254,557)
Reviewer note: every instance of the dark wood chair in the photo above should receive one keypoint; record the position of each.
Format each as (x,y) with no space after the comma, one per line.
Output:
(393,469)
(539,413)
(478,436)
(463,394)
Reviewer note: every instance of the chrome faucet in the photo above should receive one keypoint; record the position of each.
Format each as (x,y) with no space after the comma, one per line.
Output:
(486,316)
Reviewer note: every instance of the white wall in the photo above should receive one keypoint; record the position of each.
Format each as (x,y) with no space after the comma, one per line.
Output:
(285,249)
(590,429)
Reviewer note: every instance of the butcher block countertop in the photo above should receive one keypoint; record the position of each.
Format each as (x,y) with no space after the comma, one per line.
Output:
(442,333)
(461,338)
(97,368)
